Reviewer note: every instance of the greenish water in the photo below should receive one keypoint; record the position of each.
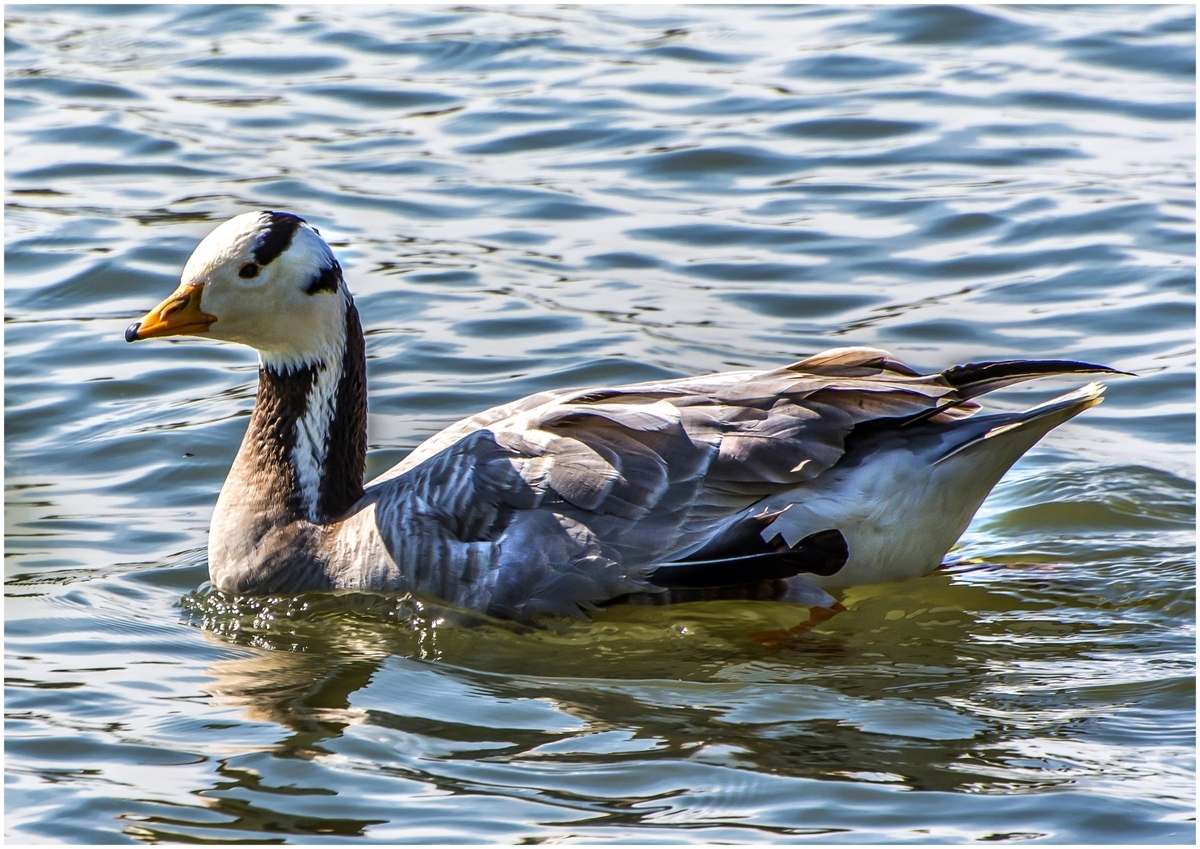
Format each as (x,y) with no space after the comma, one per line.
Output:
(534,197)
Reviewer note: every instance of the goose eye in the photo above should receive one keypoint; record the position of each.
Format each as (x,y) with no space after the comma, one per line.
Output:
(248,270)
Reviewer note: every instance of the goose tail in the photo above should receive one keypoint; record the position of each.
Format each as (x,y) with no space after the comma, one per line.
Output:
(1035,422)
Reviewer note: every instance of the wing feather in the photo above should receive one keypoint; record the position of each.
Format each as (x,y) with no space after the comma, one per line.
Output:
(580,492)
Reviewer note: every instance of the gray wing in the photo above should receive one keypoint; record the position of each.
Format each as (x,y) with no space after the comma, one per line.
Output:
(567,499)
(452,434)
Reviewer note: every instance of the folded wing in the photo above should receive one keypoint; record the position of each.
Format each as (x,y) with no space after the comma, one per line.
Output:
(579,495)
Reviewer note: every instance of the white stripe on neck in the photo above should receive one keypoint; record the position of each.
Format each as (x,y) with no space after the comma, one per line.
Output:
(312,428)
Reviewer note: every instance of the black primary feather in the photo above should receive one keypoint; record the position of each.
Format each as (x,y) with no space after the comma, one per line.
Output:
(822,553)
(975,379)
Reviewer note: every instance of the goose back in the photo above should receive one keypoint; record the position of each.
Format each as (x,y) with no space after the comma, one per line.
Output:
(567,499)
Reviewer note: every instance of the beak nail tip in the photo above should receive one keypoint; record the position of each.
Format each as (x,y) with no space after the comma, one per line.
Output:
(131,331)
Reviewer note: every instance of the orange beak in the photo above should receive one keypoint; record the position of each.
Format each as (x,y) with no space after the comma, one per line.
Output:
(178,315)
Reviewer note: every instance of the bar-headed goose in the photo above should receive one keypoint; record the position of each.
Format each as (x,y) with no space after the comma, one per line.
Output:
(845,468)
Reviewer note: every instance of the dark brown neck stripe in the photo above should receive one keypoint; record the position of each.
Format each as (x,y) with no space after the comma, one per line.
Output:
(282,400)
(346,445)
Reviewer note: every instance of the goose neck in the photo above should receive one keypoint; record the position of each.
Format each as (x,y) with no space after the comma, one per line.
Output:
(307,434)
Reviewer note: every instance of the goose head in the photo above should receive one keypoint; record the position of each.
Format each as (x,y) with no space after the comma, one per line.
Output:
(263,279)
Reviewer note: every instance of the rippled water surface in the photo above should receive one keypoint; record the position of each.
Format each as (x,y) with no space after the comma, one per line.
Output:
(537,197)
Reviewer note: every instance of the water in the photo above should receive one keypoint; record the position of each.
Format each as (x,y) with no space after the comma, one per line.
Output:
(537,197)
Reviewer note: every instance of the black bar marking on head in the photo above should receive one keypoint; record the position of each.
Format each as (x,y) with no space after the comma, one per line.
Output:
(327,281)
(281,228)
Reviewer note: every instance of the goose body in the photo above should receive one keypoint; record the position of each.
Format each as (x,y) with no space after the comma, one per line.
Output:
(845,468)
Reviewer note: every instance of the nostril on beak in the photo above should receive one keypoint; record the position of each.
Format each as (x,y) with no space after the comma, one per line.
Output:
(131,331)
(173,307)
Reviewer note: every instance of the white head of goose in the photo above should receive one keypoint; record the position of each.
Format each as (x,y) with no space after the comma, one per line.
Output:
(848,467)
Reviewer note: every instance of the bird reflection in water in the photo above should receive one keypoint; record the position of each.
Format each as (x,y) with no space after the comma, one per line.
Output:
(870,685)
